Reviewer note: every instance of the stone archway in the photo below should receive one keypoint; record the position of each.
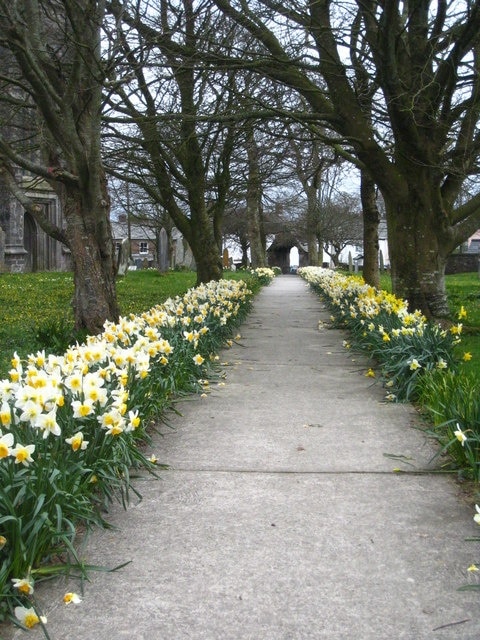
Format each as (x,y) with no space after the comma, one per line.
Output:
(279,252)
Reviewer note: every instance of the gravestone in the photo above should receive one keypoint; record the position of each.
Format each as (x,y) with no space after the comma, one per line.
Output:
(226,259)
(123,257)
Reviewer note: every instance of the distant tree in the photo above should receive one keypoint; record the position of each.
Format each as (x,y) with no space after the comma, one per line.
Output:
(340,224)
(50,120)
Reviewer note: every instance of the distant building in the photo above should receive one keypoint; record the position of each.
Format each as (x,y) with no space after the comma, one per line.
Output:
(24,246)
(149,245)
(472,245)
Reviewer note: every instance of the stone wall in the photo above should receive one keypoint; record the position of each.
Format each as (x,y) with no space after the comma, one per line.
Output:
(462,263)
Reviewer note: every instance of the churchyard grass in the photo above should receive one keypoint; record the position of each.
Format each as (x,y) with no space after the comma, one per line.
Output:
(35,311)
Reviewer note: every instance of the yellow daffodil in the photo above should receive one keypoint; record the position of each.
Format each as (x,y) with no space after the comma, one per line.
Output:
(71,598)
(472,568)
(198,359)
(462,313)
(414,364)
(370,373)
(3,542)
(467,356)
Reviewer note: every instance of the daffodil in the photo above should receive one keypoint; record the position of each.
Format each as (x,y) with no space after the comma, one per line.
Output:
(6,444)
(134,420)
(47,422)
(476,517)
(3,542)
(72,598)
(198,359)
(467,356)
(456,329)
(23,454)
(472,568)
(24,585)
(77,442)
(462,313)
(414,364)
(5,414)
(82,409)
(28,617)
(370,373)
(460,436)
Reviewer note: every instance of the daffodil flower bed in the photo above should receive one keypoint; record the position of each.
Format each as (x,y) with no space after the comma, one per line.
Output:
(403,343)
(264,275)
(74,426)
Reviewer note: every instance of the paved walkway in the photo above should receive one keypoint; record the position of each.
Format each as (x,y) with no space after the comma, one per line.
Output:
(281,517)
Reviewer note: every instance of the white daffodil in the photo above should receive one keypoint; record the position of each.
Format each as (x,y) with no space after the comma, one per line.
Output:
(460,436)
(28,617)
(6,444)
(476,517)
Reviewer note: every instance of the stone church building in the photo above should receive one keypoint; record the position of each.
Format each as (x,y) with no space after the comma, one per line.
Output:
(24,246)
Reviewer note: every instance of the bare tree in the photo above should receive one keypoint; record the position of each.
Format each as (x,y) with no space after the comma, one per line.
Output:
(174,116)
(51,83)
(340,224)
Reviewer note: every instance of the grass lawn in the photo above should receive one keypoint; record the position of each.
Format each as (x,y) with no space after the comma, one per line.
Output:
(35,310)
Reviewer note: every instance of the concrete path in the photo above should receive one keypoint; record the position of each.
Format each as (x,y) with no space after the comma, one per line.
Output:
(281,517)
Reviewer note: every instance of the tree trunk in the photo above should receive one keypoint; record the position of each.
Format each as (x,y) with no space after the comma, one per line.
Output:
(312,226)
(93,260)
(417,258)
(254,211)
(371,219)
(205,250)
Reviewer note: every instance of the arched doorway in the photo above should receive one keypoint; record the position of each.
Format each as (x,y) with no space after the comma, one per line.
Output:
(294,259)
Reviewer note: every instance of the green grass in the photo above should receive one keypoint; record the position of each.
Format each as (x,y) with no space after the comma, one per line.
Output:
(37,306)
